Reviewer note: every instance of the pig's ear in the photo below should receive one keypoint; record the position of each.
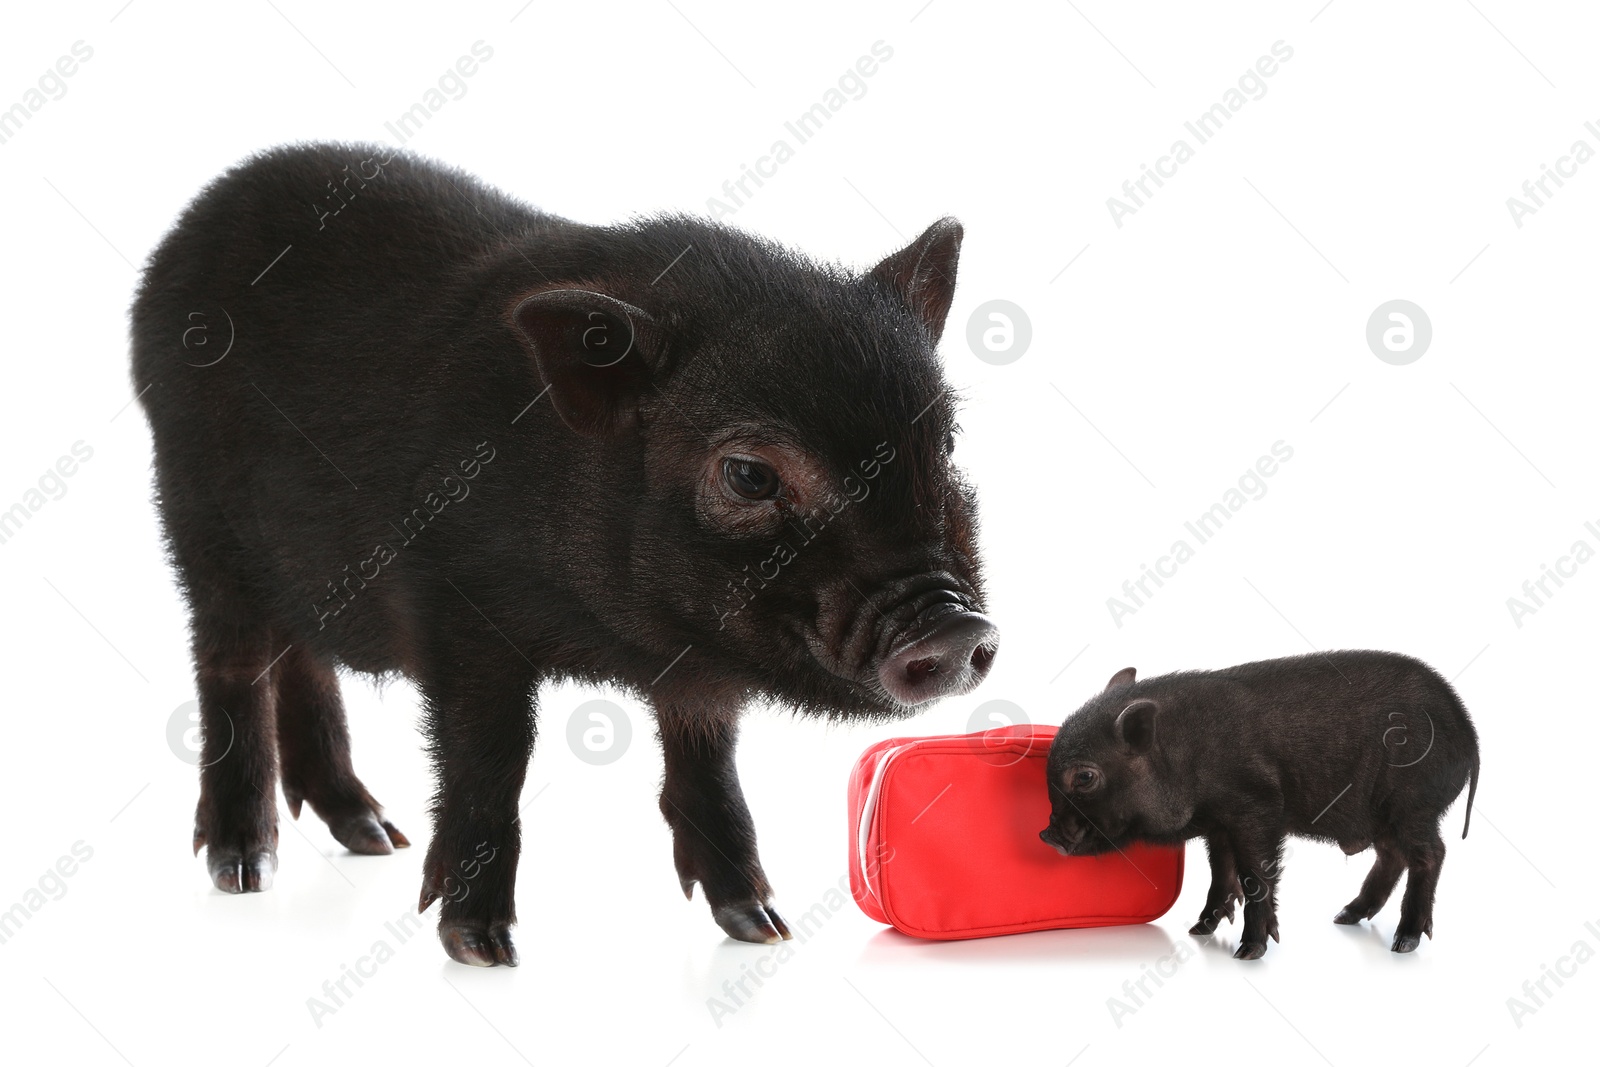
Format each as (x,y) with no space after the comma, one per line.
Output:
(923,273)
(594,353)
(1123,677)
(1136,726)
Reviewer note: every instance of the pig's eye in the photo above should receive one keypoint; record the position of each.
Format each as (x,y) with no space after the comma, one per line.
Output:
(749,479)
(1084,779)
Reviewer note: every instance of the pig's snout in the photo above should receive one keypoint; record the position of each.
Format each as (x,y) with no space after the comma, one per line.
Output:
(950,654)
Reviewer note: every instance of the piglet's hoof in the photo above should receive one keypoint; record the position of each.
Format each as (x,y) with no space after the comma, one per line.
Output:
(479,944)
(234,871)
(1250,950)
(1208,923)
(1348,916)
(1406,942)
(755,922)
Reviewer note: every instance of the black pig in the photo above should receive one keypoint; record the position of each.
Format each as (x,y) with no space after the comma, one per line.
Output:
(1363,749)
(406,424)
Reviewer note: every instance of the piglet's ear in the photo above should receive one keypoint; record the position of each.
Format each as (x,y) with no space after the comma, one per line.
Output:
(923,273)
(1123,677)
(1136,726)
(595,354)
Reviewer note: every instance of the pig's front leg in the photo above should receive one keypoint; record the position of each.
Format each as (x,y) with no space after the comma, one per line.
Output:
(1225,888)
(1259,853)
(481,733)
(713,837)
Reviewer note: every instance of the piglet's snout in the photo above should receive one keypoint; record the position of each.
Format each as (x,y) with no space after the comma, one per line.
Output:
(1064,835)
(951,653)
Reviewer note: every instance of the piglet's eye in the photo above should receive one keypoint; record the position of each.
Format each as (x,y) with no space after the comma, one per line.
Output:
(1084,779)
(749,479)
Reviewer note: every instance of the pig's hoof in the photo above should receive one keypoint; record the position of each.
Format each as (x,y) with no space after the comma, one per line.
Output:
(1349,916)
(1250,950)
(354,825)
(479,944)
(1406,942)
(365,833)
(755,922)
(236,871)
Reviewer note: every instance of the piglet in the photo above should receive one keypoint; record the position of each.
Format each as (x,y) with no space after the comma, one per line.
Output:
(1363,749)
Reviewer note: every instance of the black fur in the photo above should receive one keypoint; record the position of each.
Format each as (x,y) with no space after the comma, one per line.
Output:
(1363,749)
(482,446)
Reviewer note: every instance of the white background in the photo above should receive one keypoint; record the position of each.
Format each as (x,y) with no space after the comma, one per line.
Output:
(1227,314)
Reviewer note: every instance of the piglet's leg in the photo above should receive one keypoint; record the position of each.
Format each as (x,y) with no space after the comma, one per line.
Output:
(713,837)
(1424,857)
(1375,891)
(481,732)
(1225,888)
(1260,856)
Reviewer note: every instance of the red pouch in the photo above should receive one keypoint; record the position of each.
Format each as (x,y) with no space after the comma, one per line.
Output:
(944,843)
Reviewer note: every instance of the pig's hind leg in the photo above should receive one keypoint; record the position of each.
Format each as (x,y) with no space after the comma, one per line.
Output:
(1424,856)
(1379,884)
(1225,888)
(237,816)
(314,757)
(233,647)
